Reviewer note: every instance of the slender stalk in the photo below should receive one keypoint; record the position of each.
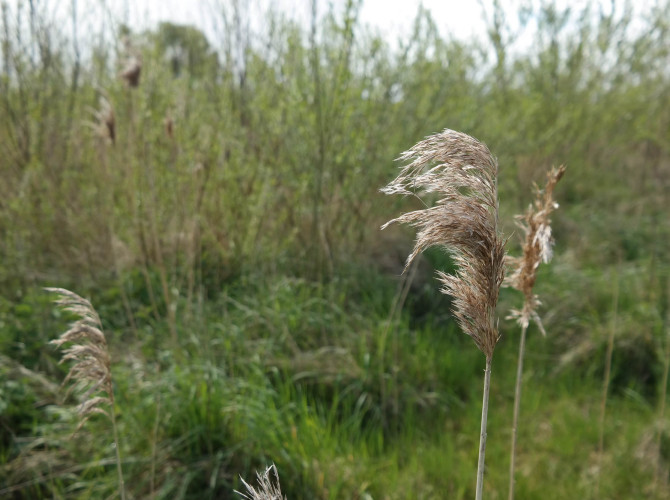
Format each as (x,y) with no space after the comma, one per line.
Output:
(664,392)
(482,435)
(606,380)
(122,486)
(517,405)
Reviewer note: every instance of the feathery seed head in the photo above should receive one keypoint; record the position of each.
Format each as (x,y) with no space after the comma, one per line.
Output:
(269,489)
(537,247)
(106,121)
(464,222)
(132,71)
(91,367)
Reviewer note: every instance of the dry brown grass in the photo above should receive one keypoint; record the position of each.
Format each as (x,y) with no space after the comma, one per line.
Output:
(464,222)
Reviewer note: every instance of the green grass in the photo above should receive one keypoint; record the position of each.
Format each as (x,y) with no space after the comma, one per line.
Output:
(337,422)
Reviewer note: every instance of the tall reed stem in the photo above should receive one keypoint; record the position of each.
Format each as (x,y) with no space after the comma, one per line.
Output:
(482,435)
(122,485)
(664,393)
(606,380)
(517,405)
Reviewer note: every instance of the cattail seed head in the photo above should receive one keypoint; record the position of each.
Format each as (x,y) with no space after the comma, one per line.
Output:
(464,222)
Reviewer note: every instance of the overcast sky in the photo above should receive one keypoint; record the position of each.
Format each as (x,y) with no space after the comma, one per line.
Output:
(393,18)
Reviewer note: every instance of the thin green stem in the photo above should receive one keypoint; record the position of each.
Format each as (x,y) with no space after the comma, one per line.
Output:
(122,487)
(606,381)
(517,404)
(664,392)
(482,435)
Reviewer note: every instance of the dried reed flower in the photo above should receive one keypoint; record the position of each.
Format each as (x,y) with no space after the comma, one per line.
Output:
(105,125)
(269,489)
(132,71)
(168,123)
(464,222)
(91,368)
(537,248)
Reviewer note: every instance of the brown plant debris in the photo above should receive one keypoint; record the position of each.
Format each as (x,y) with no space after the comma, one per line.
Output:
(464,222)
(90,371)
(537,248)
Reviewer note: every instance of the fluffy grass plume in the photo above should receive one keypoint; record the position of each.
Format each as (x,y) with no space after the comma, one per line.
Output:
(463,222)
(84,345)
(269,489)
(537,248)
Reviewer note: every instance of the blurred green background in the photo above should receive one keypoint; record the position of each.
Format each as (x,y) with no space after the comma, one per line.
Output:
(223,217)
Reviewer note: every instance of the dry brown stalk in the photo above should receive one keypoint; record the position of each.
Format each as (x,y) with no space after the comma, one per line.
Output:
(90,371)
(269,489)
(464,222)
(537,248)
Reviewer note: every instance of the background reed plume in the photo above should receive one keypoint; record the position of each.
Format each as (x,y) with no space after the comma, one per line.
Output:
(537,248)
(90,372)
(464,222)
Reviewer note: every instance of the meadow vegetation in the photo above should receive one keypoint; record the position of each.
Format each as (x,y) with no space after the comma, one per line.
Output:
(217,201)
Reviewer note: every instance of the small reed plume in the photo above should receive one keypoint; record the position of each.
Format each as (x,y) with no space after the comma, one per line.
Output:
(90,371)
(269,489)
(464,222)
(537,248)
(132,71)
(105,121)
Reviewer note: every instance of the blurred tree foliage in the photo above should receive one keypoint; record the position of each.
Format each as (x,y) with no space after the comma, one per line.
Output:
(268,147)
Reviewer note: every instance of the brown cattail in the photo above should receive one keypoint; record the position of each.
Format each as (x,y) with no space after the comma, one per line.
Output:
(269,489)
(464,222)
(131,72)
(87,349)
(537,248)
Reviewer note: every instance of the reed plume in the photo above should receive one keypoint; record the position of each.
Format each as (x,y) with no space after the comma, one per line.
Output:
(132,71)
(105,121)
(269,489)
(90,371)
(537,248)
(463,222)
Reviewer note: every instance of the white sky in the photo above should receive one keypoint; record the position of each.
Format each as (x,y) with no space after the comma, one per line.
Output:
(461,19)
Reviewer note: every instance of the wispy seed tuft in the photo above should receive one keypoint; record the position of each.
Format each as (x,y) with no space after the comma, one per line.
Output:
(537,248)
(464,222)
